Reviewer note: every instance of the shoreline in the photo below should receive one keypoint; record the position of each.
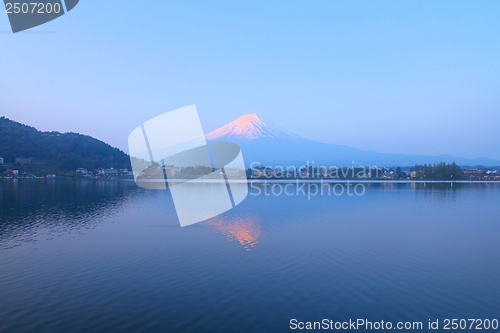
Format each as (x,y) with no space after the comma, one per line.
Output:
(275,181)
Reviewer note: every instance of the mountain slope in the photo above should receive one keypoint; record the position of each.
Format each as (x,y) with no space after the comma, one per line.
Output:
(268,145)
(63,151)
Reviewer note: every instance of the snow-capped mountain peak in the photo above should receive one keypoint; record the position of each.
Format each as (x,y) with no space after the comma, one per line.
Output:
(248,127)
(270,145)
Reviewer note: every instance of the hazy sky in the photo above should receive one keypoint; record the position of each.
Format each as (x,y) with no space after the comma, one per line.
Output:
(417,77)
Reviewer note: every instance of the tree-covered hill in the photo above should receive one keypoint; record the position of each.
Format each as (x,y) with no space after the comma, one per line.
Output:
(57,151)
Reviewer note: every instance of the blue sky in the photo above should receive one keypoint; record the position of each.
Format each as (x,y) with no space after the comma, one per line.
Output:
(419,77)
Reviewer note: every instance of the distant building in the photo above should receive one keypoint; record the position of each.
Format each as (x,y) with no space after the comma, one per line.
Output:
(24,160)
(1,160)
(169,170)
(154,172)
(31,160)
(474,173)
(82,171)
(12,172)
(107,172)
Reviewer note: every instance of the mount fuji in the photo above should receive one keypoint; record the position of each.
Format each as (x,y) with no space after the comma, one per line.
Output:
(266,144)
(249,127)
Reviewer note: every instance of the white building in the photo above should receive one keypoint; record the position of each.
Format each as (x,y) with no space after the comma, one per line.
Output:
(82,171)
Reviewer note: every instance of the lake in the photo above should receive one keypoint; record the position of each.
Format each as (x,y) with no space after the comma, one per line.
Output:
(107,256)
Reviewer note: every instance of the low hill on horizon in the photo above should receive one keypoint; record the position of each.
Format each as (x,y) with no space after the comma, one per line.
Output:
(57,152)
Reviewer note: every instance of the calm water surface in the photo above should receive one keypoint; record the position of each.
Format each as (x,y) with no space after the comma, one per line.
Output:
(82,256)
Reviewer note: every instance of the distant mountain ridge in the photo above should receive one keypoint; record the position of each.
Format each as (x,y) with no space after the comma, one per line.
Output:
(59,151)
(269,145)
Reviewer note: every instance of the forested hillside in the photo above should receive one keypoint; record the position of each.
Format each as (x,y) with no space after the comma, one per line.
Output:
(57,151)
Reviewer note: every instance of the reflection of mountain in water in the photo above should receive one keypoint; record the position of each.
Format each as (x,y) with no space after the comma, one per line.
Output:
(30,209)
(244,229)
